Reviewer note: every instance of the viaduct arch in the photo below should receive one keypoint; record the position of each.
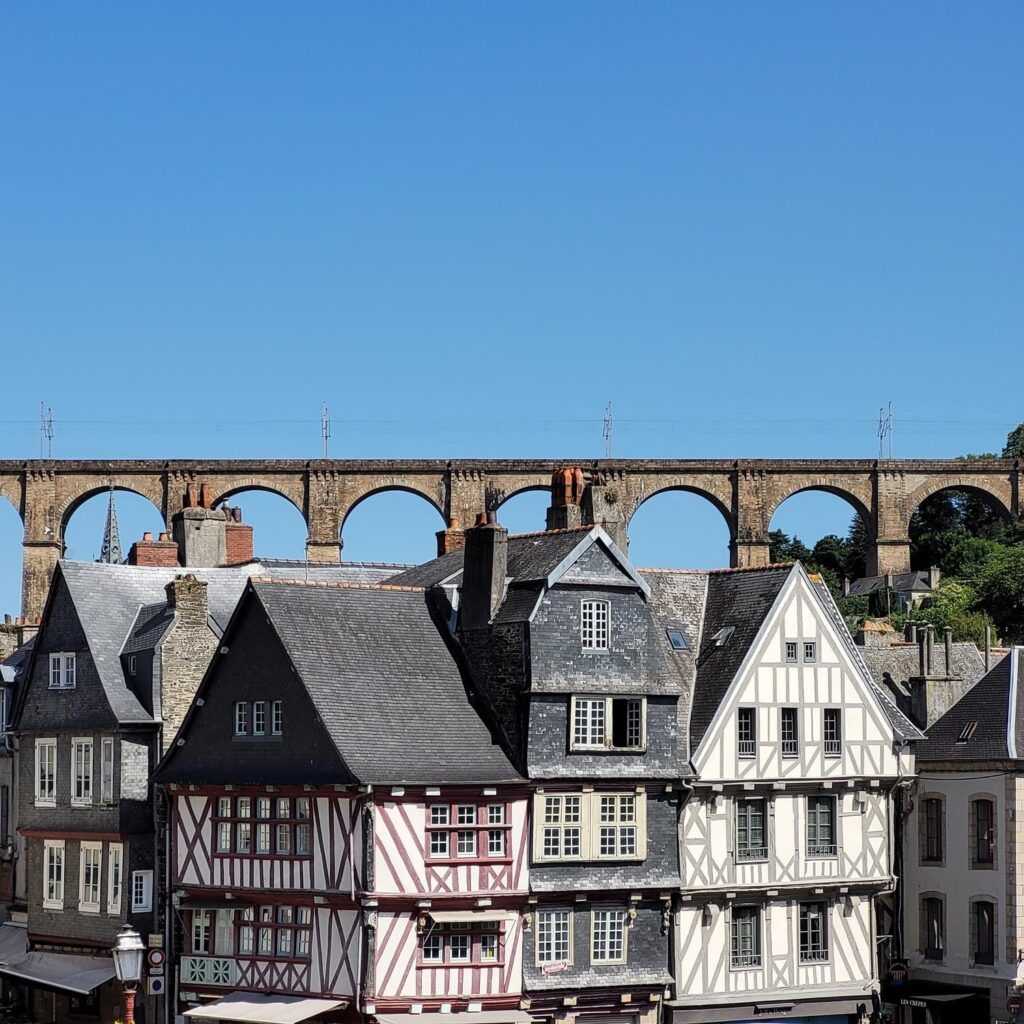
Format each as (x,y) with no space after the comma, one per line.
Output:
(747,492)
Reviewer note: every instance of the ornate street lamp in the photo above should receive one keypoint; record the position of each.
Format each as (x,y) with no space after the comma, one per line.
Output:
(128,955)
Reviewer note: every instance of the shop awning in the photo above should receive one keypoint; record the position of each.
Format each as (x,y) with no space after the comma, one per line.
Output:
(469,917)
(465,1017)
(13,941)
(256,1009)
(67,972)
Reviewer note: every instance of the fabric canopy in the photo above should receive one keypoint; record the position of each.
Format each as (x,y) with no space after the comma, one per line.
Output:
(256,1009)
(64,971)
(468,916)
(467,1017)
(13,941)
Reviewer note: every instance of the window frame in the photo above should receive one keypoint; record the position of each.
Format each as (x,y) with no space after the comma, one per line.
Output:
(547,913)
(606,742)
(805,953)
(241,718)
(143,905)
(596,628)
(810,652)
(832,721)
(982,844)
(980,958)
(83,798)
(115,879)
(482,828)
(589,825)
(751,961)
(106,780)
(259,713)
(45,743)
(789,747)
(746,748)
(471,935)
(748,853)
(925,824)
(791,652)
(277,718)
(930,902)
(86,906)
(54,852)
(622,920)
(253,825)
(67,670)
(815,849)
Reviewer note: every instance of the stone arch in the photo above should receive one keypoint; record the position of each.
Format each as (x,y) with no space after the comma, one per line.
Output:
(682,549)
(268,486)
(859,502)
(396,531)
(541,523)
(717,500)
(12,535)
(383,489)
(131,485)
(999,498)
(501,489)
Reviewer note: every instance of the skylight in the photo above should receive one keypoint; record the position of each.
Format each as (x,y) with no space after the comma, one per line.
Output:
(967,732)
(677,640)
(722,637)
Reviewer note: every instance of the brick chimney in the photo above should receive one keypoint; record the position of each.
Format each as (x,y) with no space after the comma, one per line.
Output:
(484,571)
(452,539)
(237,539)
(162,552)
(200,531)
(566,495)
(186,596)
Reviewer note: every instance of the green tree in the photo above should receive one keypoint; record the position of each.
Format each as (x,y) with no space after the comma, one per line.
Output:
(1014,447)
(783,548)
(1001,593)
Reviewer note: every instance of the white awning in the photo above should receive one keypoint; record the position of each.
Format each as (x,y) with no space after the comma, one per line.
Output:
(470,916)
(13,941)
(257,1009)
(463,1017)
(65,971)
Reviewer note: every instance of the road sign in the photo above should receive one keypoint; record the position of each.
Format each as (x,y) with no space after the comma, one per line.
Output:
(157,957)
(1013,1004)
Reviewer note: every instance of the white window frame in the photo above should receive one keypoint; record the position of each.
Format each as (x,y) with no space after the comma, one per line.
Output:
(106,769)
(260,707)
(545,922)
(81,743)
(622,919)
(63,673)
(87,906)
(115,877)
(595,634)
(551,805)
(142,891)
(53,852)
(592,709)
(277,718)
(241,718)
(45,743)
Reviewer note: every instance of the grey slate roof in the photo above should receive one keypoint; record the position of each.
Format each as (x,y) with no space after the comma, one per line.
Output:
(988,705)
(916,582)
(587,977)
(894,664)
(18,658)
(329,572)
(740,598)
(151,623)
(377,665)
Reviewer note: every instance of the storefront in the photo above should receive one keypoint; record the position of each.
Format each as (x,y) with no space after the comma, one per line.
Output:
(797,1011)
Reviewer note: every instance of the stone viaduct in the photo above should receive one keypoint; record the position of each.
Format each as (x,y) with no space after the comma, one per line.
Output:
(746,492)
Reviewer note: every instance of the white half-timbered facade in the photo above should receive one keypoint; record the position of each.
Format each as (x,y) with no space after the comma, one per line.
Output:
(785,837)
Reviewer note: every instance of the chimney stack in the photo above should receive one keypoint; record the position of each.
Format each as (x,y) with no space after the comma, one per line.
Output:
(485,567)
(149,552)
(846,586)
(930,634)
(922,652)
(451,539)
(566,495)
(237,538)
(186,596)
(947,636)
(602,506)
(934,575)
(988,647)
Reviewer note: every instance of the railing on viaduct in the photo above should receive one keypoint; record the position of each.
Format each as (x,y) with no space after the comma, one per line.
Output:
(746,492)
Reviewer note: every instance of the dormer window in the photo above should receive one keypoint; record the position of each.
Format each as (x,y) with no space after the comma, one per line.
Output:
(677,640)
(608,723)
(967,732)
(595,617)
(132,665)
(810,650)
(723,636)
(62,670)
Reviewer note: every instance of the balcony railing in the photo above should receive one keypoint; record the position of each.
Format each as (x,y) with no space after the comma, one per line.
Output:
(208,970)
(821,850)
(752,853)
(789,748)
(746,748)
(833,748)
(813,956)
(744,960)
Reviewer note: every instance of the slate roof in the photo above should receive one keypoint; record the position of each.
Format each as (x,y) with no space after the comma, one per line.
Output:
(354,572)
(988,706)
(916,582)
(894,664)
(19,657)
(587,977)
(740,598)
(377,665)
(151,623)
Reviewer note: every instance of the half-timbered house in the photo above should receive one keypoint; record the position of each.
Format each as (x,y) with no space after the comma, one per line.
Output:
(346,830)
(785,836)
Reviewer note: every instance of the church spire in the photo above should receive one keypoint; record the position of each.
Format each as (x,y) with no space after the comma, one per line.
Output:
(111,550)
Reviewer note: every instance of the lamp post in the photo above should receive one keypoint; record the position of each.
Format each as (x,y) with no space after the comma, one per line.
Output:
(128,966)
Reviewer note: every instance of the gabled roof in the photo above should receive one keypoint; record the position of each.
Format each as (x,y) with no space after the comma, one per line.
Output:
(389,689)
(739,599)
(990,715)
(328,572)
(915,582)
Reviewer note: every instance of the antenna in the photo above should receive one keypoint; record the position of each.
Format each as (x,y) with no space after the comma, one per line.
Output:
(892,429)
(45,432)
(607,432)
(325,427)
(885,422)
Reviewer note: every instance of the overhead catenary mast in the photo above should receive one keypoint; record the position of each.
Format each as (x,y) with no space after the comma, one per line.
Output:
(607,432)
(325,427)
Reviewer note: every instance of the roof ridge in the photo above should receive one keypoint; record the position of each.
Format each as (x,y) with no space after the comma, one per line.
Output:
(340,563)
(677,572)
(752,568)
(548,533)
(335,584)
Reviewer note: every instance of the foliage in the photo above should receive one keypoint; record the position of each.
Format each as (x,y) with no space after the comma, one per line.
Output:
(1001,593)
(1014,448)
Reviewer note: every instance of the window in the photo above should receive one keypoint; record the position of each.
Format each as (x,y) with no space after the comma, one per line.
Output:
(259,718)
(115,874)
(983,827)
(791,649)
(433,947)
(90,860)
(608,723)
(142,891)
(751,841)
(594,625)
(608,937)
(554,937)
(789,733)
(833,732)
(282,826)
(465,830)
(934,927)
(132,665)
(746,732)
(984,931)
(46,773)
(590,826)
(810,650)
(677,640)
(201,932)
(241,718)
(277,718)
(81,777)
(931,825)
(723,636)
(53,874)
(821,826)
(107,770)
(967,732)
(813,933)
(62,671)
(462,942)
(746,937)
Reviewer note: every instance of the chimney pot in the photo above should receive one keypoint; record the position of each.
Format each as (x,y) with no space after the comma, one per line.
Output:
(481,519)
(492,518)
(7,619)
(147,536)
(204,496)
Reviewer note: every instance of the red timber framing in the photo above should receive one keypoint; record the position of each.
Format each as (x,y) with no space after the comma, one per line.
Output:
(460,852)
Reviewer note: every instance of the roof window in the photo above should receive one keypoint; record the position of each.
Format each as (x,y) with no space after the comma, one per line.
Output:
(677,640)
(967,732)
(723,636)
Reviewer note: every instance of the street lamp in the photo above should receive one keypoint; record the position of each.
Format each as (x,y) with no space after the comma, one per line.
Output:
(128,966)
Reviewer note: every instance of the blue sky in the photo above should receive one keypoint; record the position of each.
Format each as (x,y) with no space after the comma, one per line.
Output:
(467,227)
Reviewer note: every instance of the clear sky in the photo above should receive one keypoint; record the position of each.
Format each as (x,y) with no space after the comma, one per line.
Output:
(468,227)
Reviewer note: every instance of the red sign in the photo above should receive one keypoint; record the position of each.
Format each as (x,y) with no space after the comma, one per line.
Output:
(157,957)
(555,967)
(1013,1004)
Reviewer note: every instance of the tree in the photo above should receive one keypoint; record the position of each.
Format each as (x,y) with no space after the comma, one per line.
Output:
(1001,593)
(783,548)
(1014,448)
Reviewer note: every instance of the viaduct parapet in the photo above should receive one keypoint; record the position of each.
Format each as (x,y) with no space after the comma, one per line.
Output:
(746,492)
